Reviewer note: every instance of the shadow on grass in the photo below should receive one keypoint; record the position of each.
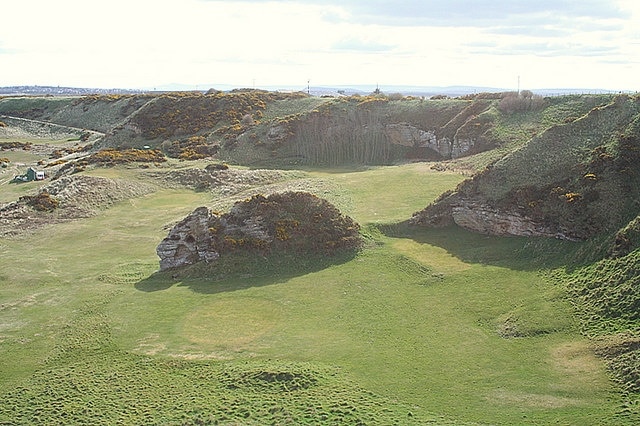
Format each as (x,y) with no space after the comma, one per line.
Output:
(240,271)
(519,253)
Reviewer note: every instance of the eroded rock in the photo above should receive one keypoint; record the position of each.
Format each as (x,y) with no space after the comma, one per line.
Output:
(483,218)
(189,241)
(297,222)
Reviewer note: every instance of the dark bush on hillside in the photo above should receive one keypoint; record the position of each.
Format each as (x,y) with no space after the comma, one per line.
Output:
(247,120)
(216,166)
(525,101)
(191,148)
(42,202)
(123,156)
(294,221)
(5,146)
(58,153)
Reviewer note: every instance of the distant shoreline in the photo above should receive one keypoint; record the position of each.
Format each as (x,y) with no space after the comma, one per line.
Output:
(426,91)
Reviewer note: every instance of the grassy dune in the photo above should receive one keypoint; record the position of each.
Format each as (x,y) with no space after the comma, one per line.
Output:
(428,327)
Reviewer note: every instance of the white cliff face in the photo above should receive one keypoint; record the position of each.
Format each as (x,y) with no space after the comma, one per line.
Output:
(462,146)
(407,135)
(485,219)
(480,217)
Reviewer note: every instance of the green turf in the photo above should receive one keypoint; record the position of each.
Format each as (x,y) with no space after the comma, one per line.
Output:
(420,327)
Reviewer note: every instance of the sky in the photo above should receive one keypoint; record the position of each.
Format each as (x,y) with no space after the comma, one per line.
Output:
(143,44)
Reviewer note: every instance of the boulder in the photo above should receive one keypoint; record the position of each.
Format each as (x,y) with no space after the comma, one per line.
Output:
(189,241)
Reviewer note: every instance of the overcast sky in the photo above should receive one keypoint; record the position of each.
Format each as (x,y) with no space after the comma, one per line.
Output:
(151,43)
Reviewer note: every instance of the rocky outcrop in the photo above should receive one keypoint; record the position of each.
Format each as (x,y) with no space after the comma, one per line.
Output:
(278,133)
(573,181)
(485,219)
(478,216)
(296,222)
(189,241)
(463,135)
(410,136)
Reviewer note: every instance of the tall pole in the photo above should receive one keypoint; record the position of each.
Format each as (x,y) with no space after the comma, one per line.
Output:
(518,86)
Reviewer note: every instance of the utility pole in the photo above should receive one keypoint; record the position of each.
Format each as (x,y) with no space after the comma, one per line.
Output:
(308,86)
(518,86)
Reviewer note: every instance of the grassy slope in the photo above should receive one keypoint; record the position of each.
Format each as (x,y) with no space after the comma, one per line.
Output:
(554,154)
(18,105)
(514,130)
(444,326)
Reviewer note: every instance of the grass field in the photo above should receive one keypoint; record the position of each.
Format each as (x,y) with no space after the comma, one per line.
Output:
(421,327)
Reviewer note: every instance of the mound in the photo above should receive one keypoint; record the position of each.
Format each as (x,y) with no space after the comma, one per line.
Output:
(230,185)
(572,182)
(219,178)
(67,198)
(296,222)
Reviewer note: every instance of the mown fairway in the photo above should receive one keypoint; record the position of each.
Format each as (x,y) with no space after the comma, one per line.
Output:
(437,326)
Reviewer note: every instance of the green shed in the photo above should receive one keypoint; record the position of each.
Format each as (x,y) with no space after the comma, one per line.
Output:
(33,174)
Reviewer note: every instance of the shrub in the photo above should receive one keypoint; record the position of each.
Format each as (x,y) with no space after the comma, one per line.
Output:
(525,101)
(247,120)
(123,156)
(297,222)
(216,166)
(43,202)
(5,146)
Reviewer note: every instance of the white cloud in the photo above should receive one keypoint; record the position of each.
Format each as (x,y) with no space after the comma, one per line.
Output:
(146,43)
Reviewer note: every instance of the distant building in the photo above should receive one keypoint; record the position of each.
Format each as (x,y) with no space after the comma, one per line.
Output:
(31,175)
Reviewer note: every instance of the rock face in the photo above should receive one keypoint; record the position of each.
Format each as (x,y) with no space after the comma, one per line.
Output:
(478,216)
(407,135)
(410,136)
(485,219)
(189,241)
(285,222)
